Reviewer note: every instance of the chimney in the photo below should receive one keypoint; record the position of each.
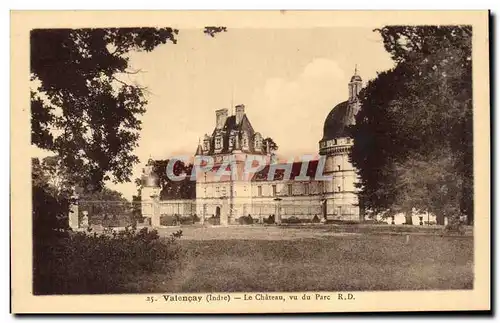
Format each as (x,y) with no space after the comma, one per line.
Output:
(220,118)
(240,112)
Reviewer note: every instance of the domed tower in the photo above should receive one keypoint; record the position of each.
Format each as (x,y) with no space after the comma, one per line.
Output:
(340,192)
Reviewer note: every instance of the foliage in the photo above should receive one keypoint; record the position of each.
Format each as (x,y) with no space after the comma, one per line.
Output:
(50,206)
(107,207)
(171,220)
(82,108)
(91,263)
(245,219)
(291,220)
(184,189)
(413,134)
(213,220)
(137,207)
(269,142)
(270,219)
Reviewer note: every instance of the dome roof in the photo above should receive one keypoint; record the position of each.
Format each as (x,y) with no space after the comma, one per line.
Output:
(356,78)
(337,121)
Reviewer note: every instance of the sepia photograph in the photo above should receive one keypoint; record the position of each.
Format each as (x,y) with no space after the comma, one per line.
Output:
(179,166)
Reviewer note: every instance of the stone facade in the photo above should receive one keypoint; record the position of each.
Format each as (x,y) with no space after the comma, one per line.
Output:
(233,196)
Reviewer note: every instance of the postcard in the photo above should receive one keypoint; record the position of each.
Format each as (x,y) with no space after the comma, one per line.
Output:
(250,161)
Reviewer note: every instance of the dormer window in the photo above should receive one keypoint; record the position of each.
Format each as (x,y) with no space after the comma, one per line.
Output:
(258,142)
(206,143)
(218,143)
(232,141)
(245,140)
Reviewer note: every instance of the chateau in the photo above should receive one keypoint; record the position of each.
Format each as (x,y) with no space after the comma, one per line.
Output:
(278,192)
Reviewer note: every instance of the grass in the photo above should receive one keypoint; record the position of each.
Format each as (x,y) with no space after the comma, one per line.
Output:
(266,259)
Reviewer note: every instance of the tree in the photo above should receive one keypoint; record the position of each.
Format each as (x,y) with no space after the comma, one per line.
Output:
(184,189)
(82,108)
(49,208)
(270,144)
(106,205)
(413,135)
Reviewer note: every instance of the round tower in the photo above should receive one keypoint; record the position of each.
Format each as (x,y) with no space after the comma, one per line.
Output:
(340,193)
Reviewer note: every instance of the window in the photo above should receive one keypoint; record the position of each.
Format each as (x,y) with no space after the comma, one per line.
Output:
(218,143)
(224,191)
(274,190)
(339,188)
(258,142)
(290,189)
(306,189)
(206,145)
(245,140)
(217,191)
(338,167)
(259,190)
(204,191)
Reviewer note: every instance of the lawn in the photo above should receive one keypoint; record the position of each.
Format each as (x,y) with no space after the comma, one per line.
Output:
(265,259)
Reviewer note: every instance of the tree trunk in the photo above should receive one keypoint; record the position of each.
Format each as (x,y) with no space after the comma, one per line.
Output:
(408,218)
(440,218)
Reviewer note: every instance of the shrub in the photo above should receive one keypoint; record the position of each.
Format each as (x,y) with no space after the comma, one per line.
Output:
(245,219)
(213,220)
(291,220)
(91,263)
(169,220)
(374,221)
(270,220)
(341,222)
(190,219)
(455,226)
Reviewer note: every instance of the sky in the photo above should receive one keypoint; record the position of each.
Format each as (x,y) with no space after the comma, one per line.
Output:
(288,80)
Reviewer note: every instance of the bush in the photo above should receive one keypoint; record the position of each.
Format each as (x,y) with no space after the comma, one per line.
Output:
(291,220)
(455,226)
(190,219)
(341,222)
(91,263)
(245,219)
(169,220)
(374,221)
(213,220)
(270,220)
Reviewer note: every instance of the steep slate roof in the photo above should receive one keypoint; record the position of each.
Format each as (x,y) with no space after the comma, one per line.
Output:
(279,174)
(229,126)
(199,150)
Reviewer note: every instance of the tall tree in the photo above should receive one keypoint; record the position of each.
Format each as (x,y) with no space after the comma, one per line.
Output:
(418,116)
(184,189)
(82,108)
